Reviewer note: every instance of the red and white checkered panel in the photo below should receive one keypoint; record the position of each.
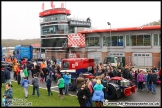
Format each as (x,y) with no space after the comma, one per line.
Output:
(76,40)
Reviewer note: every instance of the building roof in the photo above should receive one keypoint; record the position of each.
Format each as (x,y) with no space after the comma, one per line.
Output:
(36,45)
(141,28)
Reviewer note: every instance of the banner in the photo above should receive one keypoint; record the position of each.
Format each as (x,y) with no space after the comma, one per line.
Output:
(76,40)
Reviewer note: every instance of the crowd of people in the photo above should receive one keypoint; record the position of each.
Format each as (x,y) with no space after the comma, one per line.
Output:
(88,90)
(94,90)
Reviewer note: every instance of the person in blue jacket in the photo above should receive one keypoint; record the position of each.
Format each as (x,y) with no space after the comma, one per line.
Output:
(149,76)
(98,95)
(25,84)
(67,79)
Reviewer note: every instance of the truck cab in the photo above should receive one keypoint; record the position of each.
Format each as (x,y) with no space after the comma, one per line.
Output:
(76,66)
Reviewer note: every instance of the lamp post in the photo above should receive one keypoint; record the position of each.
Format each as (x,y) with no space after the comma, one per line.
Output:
(110,33)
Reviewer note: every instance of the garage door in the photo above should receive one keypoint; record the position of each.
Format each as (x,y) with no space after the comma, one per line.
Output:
(97,56)
(142,59)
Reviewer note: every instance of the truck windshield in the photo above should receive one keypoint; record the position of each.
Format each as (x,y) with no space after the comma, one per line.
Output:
(107,60)
(65,65)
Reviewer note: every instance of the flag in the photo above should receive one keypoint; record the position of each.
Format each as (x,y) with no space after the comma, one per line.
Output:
(43,6)
(53,6)
(62,5)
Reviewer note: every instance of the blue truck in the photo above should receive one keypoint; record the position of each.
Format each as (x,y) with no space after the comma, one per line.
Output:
(23,52)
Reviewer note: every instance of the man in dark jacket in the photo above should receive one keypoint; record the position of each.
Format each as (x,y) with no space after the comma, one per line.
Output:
(153,80)
(126,74)
(3,76)
(82,95)
(119,74)
(8,95)
(149,83)
(7,76)
(48,85)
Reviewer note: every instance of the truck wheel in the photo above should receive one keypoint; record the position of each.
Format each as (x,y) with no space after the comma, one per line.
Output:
(72,86)
(111,93)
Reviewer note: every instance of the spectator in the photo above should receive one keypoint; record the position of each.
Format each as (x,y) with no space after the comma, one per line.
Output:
(22,76)
(66,77)
(7,76)
(159,73)
(42,76)
(81,94)
(33,71)
(149,83)
(79,80)
(18,74)
(119,74)
(48,85)
(26,73)
(145,81)
(98,95)
(45,72)
(60,84)
(8,95)
(38,68)
(126,73)
(135,77)
(3,79)
(154,68)
(35,83)
(25,84)
(140,79)
(88,89)
(153,80)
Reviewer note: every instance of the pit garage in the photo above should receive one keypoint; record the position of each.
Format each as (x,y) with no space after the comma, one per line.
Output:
(97,56)
(142,59)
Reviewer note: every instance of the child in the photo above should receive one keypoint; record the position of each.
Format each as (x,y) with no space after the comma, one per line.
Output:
(145,82)
(25,84)
(42,76)
(26,73)
(60,84)
(48,85)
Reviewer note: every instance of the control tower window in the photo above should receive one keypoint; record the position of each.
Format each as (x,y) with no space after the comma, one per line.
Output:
(55,42)
(54,29)
(55,17)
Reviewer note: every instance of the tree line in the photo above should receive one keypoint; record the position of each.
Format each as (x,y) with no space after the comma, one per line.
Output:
(14,42)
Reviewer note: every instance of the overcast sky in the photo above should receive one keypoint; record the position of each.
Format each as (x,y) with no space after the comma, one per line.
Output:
(20,20)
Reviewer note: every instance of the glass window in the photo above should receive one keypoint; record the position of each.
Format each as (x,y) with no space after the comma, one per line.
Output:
(54,17)
(139,54)
(54,29)
(155,39)
(87,41)
(91,41)
(120,40)
(56,42)
(159,39)
(114,41)
(133,39)
(143,54)
(135,54)
(96,41)
(139,40)
(147,40)
(128,40)
(106,41)
(71,29)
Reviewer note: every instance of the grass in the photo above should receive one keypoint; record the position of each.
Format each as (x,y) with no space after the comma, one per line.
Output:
(44,100)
